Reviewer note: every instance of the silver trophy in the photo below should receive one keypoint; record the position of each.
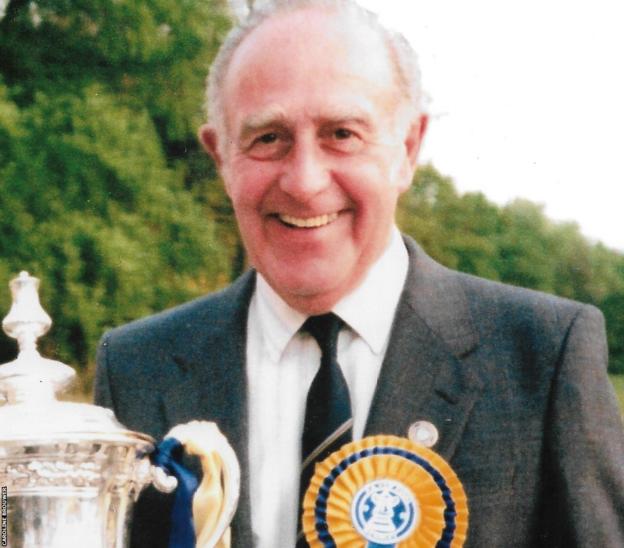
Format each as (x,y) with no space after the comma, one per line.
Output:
(70,472)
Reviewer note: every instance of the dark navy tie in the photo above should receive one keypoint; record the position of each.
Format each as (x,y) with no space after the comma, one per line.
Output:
(328,421)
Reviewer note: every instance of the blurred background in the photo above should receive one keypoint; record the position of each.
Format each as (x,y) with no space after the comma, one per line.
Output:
(106,196)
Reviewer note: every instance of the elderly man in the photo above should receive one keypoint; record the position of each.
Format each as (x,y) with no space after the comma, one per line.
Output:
(315,126)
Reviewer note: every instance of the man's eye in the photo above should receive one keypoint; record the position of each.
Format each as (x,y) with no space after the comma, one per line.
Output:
(342,134)
(269,146)
(267,138)
(343,140)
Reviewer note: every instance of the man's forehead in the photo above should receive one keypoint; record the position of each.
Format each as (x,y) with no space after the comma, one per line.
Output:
(310,37)
(308,64)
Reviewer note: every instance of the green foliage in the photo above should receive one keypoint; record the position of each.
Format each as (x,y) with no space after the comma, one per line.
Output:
(613,309)
(91,207)
(515,244)
(456,230)
(99,104)
(153,53)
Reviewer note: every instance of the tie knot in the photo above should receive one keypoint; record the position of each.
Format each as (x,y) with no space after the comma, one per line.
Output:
(324,329)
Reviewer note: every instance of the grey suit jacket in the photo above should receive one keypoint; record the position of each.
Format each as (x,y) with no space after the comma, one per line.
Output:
(514,380)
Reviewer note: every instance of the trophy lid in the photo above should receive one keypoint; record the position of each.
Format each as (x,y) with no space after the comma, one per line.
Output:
(30,385)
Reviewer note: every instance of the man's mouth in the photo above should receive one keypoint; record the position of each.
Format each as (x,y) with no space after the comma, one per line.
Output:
(308,222)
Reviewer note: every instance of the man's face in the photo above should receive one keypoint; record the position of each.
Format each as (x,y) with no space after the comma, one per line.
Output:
(315,155)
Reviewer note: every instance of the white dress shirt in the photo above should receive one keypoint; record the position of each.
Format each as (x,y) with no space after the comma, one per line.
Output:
(281,363)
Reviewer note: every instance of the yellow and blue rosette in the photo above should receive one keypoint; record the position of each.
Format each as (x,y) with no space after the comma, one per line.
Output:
(385,492)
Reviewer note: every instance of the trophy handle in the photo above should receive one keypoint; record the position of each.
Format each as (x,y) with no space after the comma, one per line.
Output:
(216,498)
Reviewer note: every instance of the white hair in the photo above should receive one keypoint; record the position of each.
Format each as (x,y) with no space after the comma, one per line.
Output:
(400,52)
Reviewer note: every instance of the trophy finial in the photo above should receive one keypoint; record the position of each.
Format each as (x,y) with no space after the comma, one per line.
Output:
(27,320)
(31,377)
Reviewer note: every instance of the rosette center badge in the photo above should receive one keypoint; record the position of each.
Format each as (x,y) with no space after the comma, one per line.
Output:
(384,512)
(385,492)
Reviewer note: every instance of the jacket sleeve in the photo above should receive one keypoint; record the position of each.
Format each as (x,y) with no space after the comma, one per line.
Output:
(585,442)
(150,522)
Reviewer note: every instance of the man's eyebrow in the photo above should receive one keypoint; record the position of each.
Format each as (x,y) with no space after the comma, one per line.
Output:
(342,115)
(277,118)
(261,120)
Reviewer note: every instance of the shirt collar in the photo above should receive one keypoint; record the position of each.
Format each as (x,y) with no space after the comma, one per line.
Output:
(278,321)
(368,310)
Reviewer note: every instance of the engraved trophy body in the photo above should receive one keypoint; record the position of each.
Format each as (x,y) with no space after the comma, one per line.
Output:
(70,471)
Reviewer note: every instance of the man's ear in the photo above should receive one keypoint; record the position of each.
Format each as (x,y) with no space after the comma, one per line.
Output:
(413,140)
(210,141)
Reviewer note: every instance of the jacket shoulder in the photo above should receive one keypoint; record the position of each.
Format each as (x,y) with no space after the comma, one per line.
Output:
(522,305)
(498,312)
(536,328)
(156,347)
(184,320)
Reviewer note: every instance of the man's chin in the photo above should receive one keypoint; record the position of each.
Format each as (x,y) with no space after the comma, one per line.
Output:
(310,296)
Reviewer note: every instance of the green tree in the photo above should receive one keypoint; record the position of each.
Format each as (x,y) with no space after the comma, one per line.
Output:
(97,214)
(99,104)
(459,231)
(613,308)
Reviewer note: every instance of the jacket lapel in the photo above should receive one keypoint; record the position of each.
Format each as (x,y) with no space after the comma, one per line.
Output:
(423,376)
(214,386)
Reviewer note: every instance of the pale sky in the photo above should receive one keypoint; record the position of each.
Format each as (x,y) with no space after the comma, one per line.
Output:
(526,100)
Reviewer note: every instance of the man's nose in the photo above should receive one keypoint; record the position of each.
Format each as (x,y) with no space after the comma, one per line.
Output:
(305,172)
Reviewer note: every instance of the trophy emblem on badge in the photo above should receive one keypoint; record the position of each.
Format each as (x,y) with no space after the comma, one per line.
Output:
(384,511)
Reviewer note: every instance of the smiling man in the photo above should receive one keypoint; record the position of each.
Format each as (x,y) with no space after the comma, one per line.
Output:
(319,146)
(344,328)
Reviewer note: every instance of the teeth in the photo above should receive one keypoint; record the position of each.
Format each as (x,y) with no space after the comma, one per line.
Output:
(310,222)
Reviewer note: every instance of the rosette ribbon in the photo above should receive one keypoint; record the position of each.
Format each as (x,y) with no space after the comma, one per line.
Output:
(385,492)
(203,508)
